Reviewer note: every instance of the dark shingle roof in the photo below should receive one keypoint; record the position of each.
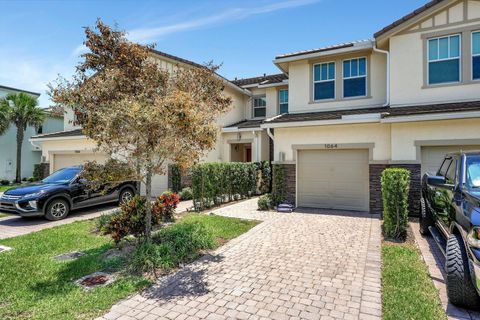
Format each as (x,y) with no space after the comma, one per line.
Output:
(408,17)
(386,112)
(61,134)
(359,43)
(245,124)
(19,90)
(265,79)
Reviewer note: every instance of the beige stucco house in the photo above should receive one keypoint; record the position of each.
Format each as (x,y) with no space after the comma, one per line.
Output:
(335,117)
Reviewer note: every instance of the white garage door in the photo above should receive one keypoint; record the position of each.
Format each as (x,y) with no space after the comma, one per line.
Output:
(432,157)
(159,185)
(63,160)
(333,179)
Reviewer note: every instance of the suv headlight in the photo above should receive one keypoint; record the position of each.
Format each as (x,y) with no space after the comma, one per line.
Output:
(34,195)
(473,237)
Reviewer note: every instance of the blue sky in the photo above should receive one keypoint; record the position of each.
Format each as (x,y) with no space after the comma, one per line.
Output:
(40,39)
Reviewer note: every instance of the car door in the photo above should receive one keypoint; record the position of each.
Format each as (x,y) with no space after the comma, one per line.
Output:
(444,194)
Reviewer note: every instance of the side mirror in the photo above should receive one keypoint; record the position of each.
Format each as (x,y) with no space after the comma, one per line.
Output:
(437,181)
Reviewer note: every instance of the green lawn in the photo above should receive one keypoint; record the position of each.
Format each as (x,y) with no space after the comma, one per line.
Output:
(4,188)
(35,286)
(408,292)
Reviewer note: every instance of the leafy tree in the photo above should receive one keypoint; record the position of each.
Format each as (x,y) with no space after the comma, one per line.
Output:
(138,112)
(22,110)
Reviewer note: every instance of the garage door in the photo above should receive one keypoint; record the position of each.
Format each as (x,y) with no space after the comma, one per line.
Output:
(333,179)
(432,157)
(62,160)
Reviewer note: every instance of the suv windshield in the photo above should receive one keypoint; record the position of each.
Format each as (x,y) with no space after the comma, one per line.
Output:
(62,176)
(473,172)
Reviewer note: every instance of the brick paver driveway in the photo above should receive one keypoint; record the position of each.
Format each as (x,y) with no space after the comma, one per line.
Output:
(13,226)
(292,266)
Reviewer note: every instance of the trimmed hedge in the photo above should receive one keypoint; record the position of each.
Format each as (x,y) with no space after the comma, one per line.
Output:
(395,189)
(176,178)
(217,183)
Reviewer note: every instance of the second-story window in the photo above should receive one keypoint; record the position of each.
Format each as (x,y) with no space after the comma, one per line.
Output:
(324,81)
(259,107)
(476,56)
(355,78)
(283,101)
(444,59)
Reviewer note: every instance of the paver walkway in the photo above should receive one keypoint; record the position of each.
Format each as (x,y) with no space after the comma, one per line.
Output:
(291,266)
(13,226)
(435,261)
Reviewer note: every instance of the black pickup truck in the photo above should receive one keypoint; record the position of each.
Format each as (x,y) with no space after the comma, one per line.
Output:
(450,212)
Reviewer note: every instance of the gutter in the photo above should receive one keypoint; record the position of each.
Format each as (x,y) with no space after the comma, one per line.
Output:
(387,53)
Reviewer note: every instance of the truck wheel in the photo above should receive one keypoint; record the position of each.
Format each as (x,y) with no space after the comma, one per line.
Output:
(57,209)
(125,195)
(460,289)
(426,219)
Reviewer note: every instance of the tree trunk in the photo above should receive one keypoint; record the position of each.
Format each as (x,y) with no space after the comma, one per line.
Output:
(18,172)
(148,207)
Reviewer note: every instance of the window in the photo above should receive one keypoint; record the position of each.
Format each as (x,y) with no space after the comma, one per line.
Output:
(444,60)
(355,78)
(259,107)
(476,56)
(283,101)
(324,81)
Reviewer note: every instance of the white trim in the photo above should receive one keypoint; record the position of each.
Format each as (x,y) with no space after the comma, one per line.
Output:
(59,138)
(431,117)
(317,123)
(236,129)
(277,84)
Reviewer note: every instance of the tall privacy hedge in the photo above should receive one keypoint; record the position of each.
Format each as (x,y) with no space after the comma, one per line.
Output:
(395,188)
(217,183)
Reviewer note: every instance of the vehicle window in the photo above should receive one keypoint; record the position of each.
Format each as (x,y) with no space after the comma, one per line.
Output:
(473,172)
(450,175)
(444,167)
(62,175)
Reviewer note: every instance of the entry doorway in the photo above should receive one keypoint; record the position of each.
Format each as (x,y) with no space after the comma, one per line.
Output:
(241,152)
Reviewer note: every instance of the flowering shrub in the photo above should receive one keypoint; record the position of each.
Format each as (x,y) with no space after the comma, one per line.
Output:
(130,219)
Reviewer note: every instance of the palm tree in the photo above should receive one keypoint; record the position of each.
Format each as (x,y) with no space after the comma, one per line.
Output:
(21,110)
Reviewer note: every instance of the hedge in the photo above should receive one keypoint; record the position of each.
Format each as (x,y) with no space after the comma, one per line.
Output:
(217,183)
(395,189)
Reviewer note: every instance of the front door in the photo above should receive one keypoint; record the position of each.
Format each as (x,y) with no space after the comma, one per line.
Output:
(248,155)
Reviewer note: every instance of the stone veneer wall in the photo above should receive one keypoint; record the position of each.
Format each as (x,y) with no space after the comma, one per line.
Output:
(376,203)
(45,169)
(290,180)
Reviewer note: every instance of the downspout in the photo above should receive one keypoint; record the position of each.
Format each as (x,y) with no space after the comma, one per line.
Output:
(387,53)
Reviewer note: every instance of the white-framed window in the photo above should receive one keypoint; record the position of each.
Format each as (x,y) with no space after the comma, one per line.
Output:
(259,107)
(324,81)
(283,101)
(355,77)
(476,55)
(444,59)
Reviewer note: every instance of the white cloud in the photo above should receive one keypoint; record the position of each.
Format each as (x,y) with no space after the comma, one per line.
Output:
(81,49)
(149,34)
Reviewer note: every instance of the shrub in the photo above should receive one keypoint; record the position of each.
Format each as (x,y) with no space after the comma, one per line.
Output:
(171,246)
(265,172)
(4,182)
(278,194)
(102,221)
(131,218)
(37,172)
(176,178)
(186,194)
(395,188)
(265,202)
(31,179)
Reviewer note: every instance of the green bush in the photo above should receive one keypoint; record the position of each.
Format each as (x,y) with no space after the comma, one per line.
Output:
(172,246)
(102,221)
(37,172)
(186,194)
(131,218)
(4,182)
(395,189)
(278,192)
(31,179)
(265,202)
(176,178)
(265,176)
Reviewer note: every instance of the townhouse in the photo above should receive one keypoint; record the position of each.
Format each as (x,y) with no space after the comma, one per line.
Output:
(335,117)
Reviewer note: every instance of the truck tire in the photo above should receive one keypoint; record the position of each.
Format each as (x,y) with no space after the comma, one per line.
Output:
(426,219)
(460,289)
(57,209)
